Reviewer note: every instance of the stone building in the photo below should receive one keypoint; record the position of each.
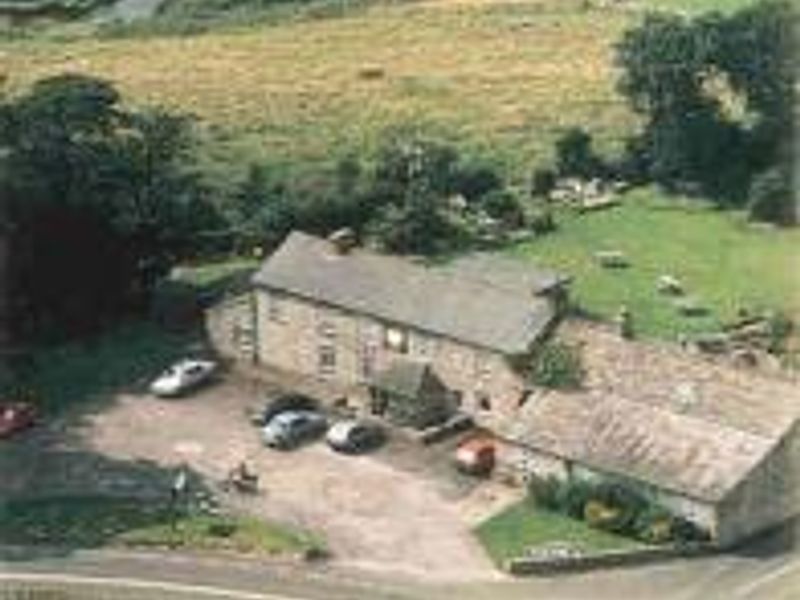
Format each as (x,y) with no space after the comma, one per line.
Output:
(717,445)
(346,315)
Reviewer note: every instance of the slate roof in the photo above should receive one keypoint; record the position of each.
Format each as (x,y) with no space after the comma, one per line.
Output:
(654,413)
(506,273)
(669,450)
(437,300)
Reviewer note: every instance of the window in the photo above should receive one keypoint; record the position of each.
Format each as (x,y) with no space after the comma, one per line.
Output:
(326,329)
(275,308)
(423,346)
(327,360)
(396,339)
(368,357)
(483,369)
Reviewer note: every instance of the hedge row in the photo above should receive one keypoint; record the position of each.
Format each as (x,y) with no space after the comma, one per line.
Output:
(618,508)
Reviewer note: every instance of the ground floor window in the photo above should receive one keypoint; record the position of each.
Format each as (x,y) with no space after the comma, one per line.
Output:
(484,401)
(327,360)
(367,358)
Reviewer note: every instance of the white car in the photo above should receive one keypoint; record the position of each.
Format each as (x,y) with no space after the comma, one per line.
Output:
(353,436)
(183,376)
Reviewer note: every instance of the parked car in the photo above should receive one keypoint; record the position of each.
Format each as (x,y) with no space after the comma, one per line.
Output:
(281,404)
(291,428)
(476,455)
(183,376)
(16,416)
(353,436)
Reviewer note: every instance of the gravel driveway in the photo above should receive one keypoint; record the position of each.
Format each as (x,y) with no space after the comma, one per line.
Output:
(401,509)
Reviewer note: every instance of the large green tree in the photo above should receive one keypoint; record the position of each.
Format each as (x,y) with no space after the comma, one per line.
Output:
(99,199)
(717,95)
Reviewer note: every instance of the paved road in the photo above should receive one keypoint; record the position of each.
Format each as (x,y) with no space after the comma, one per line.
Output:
(766,573)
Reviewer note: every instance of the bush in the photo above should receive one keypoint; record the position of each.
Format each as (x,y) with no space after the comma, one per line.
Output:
(654,525)
(627,503)
(575,156)
(543,181)
(616,507)
(503,205)
(222,528)
(541,221)
(772,197)
(600,515)
(684,531)
(558,365)
(546,492)
(572,497)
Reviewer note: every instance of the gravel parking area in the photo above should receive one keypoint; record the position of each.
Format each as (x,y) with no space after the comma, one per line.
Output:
(402,508)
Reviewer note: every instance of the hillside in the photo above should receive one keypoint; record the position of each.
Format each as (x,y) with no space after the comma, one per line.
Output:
(503,78)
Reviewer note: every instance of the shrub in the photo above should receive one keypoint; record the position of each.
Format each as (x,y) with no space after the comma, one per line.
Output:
(558,365)
(573,496)
(503,205)
(543,181)
(546,492)
(772,197)
(541,221)
(654,525)
(575,156)
(600,515)
(222,528)
(627,503)
(780,328)
(684,531)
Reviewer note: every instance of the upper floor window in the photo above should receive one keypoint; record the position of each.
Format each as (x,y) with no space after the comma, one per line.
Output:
(326,328)
(396,339)
(423,346)
(483,367)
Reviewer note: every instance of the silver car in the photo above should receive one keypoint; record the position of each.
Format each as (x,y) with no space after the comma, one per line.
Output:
(291,428)
(183,376)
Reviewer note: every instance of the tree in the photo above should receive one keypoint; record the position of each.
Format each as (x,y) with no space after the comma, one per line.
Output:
(100,200)
(717,97)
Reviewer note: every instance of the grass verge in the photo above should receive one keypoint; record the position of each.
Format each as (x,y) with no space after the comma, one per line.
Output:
(522,526)
(96,521)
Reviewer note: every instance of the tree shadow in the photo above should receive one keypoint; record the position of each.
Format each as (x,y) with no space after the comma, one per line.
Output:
(77,499)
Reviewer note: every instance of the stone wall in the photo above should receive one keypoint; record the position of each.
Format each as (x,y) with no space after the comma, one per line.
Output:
(603,560)
(292,330)
(230,326)
(769,496)
(520,463)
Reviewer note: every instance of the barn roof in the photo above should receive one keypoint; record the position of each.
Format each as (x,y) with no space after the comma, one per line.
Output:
(669,450)
(448,301)
(651,412)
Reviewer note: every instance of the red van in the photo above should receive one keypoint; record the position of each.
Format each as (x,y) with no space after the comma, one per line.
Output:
(476,455)
(16,417)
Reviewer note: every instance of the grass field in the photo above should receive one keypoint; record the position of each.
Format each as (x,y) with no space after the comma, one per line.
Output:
(522,526)
(723,262)
(504,79)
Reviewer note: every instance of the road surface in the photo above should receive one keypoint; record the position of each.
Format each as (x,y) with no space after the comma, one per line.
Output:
(767,573)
